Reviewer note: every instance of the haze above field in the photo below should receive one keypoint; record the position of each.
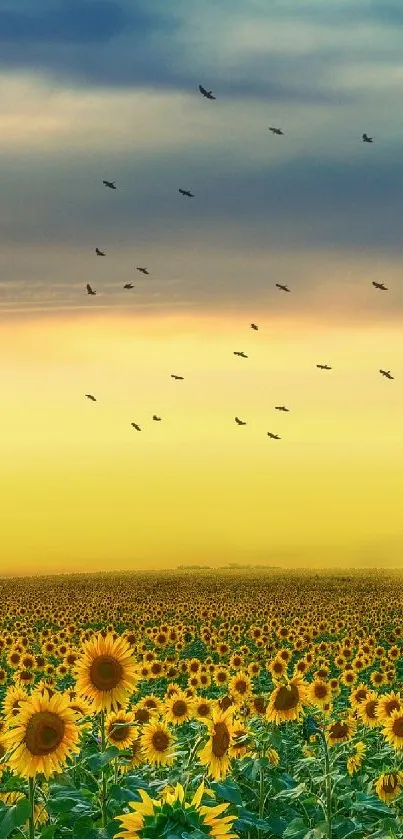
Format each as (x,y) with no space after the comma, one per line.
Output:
(110,91)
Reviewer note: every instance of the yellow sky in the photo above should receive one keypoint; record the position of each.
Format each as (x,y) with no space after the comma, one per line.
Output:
(82,490)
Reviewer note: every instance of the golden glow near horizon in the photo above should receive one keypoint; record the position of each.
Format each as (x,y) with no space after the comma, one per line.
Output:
(81,490)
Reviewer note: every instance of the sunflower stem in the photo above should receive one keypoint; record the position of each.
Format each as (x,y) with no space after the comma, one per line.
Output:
(103,793)
(328,785)
(31,820)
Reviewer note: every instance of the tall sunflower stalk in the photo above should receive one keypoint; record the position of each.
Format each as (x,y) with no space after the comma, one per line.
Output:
(104,793)
(31,818)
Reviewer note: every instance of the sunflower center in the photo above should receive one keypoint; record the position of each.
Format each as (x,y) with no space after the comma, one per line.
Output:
(142,715)
(119,733)
(203,709)
(392,705)
(160,741)
(260,705)
(106,672)
(44,733)
(398,727)
(286,698)
(241,686)
(320,691)
(339,729)
(179,708)
(370,708)
(220,739)
(389,783)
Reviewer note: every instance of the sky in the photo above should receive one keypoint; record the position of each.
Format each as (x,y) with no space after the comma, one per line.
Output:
(98,89)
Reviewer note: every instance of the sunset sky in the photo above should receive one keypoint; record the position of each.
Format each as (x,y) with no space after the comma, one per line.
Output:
(98,89)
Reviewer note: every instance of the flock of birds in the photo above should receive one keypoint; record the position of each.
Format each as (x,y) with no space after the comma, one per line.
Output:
(208,94)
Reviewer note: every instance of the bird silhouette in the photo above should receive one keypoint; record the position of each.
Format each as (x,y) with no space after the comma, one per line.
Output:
(207,93)
(89,289)
(177,377)
(157,419)
(137,427)
(110,184)
(90,396)
(254,326)
(276,130)
(366,139)
(186,192)
(387,374)
(323,367)
(379,285)
(281,408)
(239,421)
(99,253)
(283,287)
(273,436)
(128,285)
(241,354)
(143,270)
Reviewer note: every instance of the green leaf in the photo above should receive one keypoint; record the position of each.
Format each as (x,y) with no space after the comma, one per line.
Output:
(12,817)
(296,829)
(98,761)
(228,791)
(48,831)
(295,792)
(82,827)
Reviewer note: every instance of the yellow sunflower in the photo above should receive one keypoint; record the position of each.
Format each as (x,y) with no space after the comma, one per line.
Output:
(387,703)
(201,708)
(120,729)
(319,692)
(393,729)
(240,686)
(389,785)
(355,760)
(367,710)
(136,756)
(340,731)
(13,701)
(106,672)
(157,744)
(178,709)
(216,753)
(286,701)
(43,736)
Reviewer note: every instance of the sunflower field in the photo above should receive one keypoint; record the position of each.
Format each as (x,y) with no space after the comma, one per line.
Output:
(194,704)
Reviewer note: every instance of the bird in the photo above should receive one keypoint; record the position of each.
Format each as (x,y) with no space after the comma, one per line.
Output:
(186,192)
(99,253)
(275,130)
(239,421)
(281,408)
(254,326)
(207,93)
(110,184)
(273,436)
(137,427)
(90,396)
(89,289)
(241,354)
(323,367)
(143,270)
(387,374)
(177,377)
(366,139)
(128,285)
(380,285)
(157,419)
(283,287)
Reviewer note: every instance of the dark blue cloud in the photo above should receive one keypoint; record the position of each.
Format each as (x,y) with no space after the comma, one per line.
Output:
(73,22)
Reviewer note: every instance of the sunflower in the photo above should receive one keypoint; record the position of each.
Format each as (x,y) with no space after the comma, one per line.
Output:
(241,741)
(367,710)
(273,756)
(319,692)
(157,743)
(387,703)
(240,686)
(13,701)
(354,761)
(258,706)
(171,811)
(106,672)
(340,731)
(358,694)
(393,729)
(178,709)
(136,756)
(201,708)
(221,676)
(215,754)
(389,785)
(277,668)
(43,736)
(120,729)
(286,701)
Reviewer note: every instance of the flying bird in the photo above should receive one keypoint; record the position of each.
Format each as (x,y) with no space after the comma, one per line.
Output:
(186,192)
(366,139)
(157,419)
(177,377)
(254,326)
(110,184)
(379,285)
(90,396)
(387,374)
(239,421)
(281,408)
(207,93)
(283,287)
(275,130)
(137,427)
(89,289)
(323,367)
(273,436)
(128,285)
(241,354)
(143,270)
(99,253)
